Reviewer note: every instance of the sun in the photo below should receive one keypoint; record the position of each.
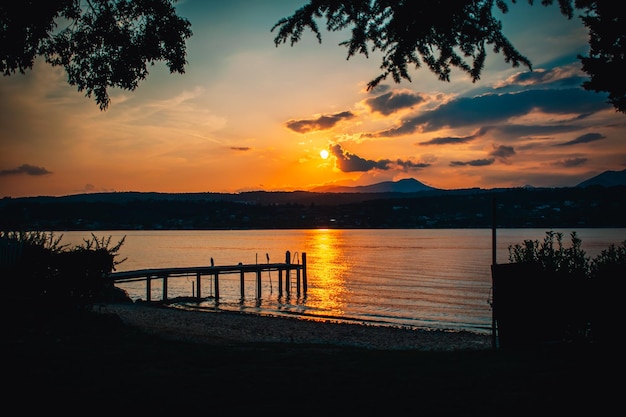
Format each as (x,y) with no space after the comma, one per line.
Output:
(324,154)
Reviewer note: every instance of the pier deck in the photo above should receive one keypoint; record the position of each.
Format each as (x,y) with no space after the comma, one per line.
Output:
(214,272)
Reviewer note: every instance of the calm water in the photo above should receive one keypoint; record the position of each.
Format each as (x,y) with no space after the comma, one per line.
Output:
(417,277)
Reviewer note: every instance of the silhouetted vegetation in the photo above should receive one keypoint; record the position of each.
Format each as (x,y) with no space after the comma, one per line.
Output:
(41,272)
(443,35)
(110,43)
(101,44)
(516,208)
(554,293)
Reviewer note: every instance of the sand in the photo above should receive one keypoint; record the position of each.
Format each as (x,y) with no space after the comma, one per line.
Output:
(236,328)
(148,359)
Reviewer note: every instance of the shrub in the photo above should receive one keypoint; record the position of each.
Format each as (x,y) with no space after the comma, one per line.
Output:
(39,269)
(577,295)
(550,255)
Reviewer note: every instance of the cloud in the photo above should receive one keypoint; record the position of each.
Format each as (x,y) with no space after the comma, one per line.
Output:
(90,188)
(586,138)
(502,153)
(348,162)
(380,88)
(473,163)
(323,122)
(25,169)
(497,108)
(516,131)
(408,165)
(454,140)
(391,102)
(570,75)
(571,163)
(240,148)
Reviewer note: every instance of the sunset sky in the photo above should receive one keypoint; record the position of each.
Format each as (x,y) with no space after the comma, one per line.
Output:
(248,115)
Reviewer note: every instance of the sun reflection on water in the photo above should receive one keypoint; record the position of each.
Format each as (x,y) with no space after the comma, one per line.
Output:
(327,270)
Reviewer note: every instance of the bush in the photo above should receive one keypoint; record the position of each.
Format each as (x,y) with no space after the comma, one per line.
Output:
(550,255)
(578,298)
(38,269)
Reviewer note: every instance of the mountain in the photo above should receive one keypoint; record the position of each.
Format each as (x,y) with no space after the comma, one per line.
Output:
(606,179)
(408,185)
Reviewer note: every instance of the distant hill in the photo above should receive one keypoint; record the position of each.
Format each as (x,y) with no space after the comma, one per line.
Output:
(408,185)
(606,179)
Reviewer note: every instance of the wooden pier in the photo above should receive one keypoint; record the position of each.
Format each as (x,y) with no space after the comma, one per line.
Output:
(214,272)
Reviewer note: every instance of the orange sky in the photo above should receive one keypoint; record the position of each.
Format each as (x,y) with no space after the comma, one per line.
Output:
(247,115)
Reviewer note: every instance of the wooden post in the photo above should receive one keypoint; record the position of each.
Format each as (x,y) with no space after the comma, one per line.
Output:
(217,286)
(287,283)
(298,281)
(494,261)
(304,283)
(198,282)
(241,282)
(165,287)
(280,282)
(148,288)
(258,284)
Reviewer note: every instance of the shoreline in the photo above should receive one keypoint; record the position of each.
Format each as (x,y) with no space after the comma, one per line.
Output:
(230,328)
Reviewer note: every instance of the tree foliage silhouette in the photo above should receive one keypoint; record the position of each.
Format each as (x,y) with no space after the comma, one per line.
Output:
(109,43)
(100,43)
(444,34)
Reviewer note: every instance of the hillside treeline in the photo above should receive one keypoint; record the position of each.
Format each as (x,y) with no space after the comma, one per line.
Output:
(514,208)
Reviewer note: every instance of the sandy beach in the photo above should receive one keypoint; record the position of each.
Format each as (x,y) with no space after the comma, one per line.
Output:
(230,327)
(137,358)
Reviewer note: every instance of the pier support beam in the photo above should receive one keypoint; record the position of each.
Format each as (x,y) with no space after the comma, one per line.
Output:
(148,288)
(287,280)
(298,282)
(304,282)
(216,280)
(198,285)
(242,284)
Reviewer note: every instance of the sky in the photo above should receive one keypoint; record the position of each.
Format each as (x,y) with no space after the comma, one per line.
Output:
(248,115)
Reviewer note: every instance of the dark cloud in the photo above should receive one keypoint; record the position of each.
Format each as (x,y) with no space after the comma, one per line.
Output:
(240,148)
(454,140)
(586,138)
(502,153)
(559,76)
(380,88)
(447,140)
(572,162)
(321,123)
(25,169)
(517,131)
(407,165)
(90,188)
(348,162)
(392,102)
(495,108)
(473,163)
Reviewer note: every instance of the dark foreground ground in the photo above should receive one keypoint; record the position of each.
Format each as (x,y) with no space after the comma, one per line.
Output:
(93,363)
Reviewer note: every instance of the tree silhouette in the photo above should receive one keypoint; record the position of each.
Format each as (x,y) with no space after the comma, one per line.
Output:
(100,43)
(109,43)
(606,63)
(443,34)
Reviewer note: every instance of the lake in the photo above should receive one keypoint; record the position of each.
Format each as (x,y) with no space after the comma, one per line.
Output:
(419,278)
